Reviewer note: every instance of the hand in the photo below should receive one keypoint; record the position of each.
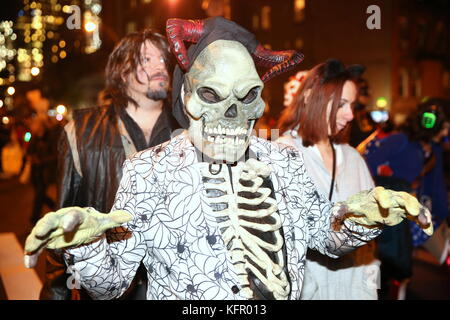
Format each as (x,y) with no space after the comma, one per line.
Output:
(387,207)
(69,227)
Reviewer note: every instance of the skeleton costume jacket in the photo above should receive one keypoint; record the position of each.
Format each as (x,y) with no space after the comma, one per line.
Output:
(91,152)
(191,250)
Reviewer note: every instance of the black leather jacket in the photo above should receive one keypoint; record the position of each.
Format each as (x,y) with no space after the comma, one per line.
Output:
(101,155)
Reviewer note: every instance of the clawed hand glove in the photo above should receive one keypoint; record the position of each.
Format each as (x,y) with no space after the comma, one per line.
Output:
(69,227)
(387,207)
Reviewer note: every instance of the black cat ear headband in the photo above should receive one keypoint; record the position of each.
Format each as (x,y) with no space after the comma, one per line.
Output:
(334,69)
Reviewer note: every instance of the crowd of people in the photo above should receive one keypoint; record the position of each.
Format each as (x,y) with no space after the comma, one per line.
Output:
(317,122)
(28,150)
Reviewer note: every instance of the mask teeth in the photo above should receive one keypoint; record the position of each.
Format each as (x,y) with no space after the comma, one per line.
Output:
(220,139)
(220,131)
(227,140)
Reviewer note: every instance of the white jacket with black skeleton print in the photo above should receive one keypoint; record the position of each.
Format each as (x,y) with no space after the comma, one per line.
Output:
(179,237)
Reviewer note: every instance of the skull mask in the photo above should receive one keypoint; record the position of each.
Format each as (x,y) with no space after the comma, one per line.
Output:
(222,97)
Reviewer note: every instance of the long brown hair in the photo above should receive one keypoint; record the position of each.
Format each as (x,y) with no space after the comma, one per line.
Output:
(125,59)
(308,111)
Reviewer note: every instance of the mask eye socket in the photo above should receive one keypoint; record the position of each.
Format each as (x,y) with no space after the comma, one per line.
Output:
(208,95)
(251,95)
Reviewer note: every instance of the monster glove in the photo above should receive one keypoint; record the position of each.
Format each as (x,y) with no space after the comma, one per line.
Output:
(381,206)
(69,227)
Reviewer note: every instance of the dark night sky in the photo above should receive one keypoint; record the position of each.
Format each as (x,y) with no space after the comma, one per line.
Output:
(9,9)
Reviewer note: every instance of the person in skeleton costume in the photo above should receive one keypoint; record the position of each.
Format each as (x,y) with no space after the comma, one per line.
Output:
(216,213)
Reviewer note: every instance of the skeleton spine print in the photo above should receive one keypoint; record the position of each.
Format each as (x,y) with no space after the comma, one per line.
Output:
(251,227)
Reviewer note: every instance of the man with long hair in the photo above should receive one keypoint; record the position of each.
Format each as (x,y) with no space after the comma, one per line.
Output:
(97,141)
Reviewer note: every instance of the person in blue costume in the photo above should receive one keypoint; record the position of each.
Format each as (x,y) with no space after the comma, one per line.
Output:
(410,161)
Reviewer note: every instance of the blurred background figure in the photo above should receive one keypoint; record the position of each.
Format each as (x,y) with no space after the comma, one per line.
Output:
(363,124)
(383,126)
(410,160)
(317,123)
(41,154)
(39,104)
(11,154)
(4,139)
(292,86)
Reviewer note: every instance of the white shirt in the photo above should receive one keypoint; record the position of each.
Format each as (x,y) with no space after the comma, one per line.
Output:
(355,275)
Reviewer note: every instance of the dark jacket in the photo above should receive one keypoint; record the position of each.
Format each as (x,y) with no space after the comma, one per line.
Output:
(100,138)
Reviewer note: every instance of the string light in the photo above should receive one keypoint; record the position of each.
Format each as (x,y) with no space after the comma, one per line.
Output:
(11,90)
(27,137)
(61,109)
(90,26)
(35,71)
(382,102)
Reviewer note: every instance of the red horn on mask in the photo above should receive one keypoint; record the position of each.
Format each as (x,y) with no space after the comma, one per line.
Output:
(180,30)
(277,61)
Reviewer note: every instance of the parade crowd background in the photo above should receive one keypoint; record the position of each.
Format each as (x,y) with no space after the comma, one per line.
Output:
(48,69)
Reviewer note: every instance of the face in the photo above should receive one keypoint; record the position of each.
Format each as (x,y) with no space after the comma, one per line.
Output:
(344,114)
(152,77)
(290,89)
(222,96)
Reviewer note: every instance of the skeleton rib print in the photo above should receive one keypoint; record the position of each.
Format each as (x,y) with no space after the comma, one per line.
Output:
(181,239)
(250,226)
